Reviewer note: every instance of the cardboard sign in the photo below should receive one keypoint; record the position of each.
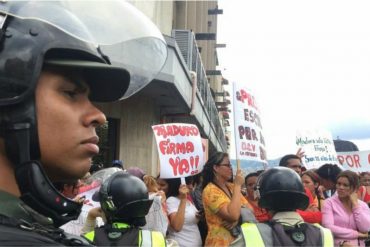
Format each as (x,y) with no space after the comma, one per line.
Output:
(318,146)
(180,149)
(249,140)
(355,161)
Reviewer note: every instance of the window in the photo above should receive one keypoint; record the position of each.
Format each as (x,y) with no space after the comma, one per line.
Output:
(108,144)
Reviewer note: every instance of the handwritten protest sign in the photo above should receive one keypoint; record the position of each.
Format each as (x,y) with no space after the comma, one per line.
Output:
(180,149)
(355,161)
(249,140)
(318,147)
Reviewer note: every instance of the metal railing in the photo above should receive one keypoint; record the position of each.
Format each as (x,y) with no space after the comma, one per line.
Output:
(186,42)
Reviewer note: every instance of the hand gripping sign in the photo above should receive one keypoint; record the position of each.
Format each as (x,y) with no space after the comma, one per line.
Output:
(180,149)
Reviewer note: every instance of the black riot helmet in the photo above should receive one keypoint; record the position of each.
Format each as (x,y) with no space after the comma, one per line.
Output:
(281,189)
(110,43)
(124,198)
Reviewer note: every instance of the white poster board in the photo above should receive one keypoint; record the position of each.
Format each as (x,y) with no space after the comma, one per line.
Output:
(318,146)
(180,149)
(249,140)
(355,161)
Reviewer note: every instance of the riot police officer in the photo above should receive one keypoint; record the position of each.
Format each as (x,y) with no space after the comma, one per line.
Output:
(56,57)
(281,192)
(124,199)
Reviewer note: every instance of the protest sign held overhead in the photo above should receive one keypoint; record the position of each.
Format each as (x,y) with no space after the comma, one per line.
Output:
(249,140)
(180,149)
(318,147)
(358,161)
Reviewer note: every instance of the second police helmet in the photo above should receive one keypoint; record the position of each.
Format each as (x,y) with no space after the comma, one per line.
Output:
(124,198)
(281,189)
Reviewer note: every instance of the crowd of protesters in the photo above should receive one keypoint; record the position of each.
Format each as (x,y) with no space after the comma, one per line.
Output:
(211,207)
(55,62)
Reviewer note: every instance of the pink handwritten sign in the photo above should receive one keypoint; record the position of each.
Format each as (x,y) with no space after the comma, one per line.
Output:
(180,149)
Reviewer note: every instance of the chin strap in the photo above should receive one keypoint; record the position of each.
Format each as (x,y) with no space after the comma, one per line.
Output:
(17,143)
(37,191)
(55,234)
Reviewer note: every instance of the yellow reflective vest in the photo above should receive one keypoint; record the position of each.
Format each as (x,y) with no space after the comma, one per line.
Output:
(252,236)
(147,238)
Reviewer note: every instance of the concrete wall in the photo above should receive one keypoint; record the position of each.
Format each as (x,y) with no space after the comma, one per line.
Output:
(137,145)
(160,12)
(136,141)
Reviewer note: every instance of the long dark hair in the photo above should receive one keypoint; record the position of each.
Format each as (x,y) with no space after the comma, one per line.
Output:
(353,179)
(329,171)
(207,173)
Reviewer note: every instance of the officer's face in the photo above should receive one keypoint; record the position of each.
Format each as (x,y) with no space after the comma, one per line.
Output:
(66,121)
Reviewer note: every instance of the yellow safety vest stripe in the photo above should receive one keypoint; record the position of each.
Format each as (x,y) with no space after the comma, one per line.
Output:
(90,236)
(158,239)
(327,236)
(146,238)
(252,236)
(120,225)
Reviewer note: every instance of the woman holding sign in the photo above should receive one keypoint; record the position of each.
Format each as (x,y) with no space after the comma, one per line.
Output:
(222,200)
(182,214)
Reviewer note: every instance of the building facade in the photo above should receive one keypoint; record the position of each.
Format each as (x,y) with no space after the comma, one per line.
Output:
(189,89)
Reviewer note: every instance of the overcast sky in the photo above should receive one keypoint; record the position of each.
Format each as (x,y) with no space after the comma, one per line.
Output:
(308,63)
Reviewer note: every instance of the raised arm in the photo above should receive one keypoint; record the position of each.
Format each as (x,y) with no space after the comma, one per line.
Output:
(177,218)
(231,211)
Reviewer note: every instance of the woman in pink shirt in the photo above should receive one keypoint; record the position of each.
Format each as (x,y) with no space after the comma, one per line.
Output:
(344,214)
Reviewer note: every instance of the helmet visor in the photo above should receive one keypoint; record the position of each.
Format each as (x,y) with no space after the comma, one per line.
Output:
(124,34)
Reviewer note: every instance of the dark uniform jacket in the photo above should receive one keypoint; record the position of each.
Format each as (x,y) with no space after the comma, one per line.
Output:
(22,226)
(285,229)
(122,234)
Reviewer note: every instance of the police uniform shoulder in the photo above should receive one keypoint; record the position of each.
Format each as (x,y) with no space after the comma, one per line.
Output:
(12,236)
